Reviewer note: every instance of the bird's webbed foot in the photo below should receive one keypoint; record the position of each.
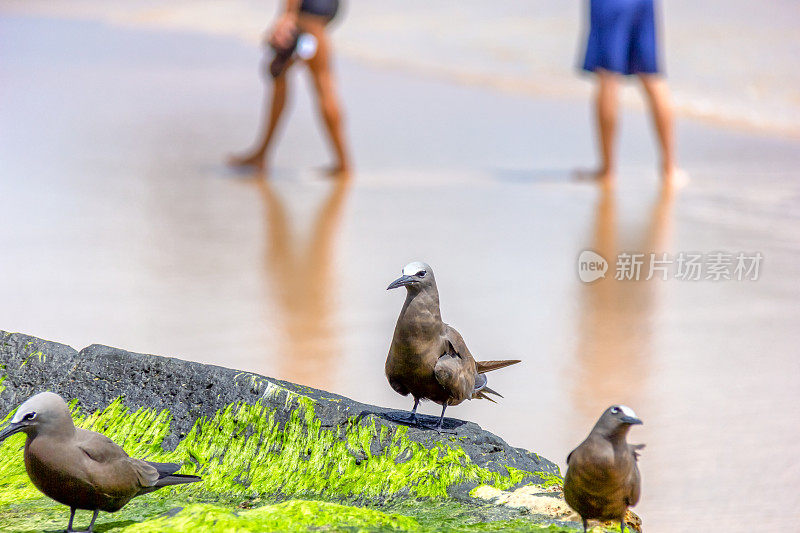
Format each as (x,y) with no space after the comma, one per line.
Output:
(439,425)
(438,428)
(411,419)
(407,420)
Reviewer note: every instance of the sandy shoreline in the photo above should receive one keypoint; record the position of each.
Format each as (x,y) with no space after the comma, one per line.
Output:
(531,49)
(124,227)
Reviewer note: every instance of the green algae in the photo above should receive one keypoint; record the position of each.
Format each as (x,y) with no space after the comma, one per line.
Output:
(276,470)
(38,354)
(302,515)
(454,516)
(143,516)
(42,514)
(243,451)
(296,515)
(550,480)
(247,453)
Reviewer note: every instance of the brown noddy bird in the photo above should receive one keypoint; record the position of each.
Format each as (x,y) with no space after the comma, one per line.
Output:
(81,468)
(428,358)
(602,478)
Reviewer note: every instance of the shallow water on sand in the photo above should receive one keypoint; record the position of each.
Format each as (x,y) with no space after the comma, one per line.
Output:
(732,62)
(120,226)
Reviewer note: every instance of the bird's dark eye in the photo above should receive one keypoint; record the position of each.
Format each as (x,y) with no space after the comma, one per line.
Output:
(29,416)
(614,410)
(421,273)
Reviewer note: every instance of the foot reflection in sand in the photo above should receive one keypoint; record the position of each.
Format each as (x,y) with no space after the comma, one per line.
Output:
(300,272)
(617,317)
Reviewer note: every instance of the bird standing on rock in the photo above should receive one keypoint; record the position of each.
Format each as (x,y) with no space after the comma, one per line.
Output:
(81,468)
(602,478)
(429,359)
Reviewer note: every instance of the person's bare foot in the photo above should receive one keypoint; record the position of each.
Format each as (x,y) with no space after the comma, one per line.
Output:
(337,171)
(603,177)
(674,178)
(254,161)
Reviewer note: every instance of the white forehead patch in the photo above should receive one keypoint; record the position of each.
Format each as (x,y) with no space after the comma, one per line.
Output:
(23,410)
(412,268)
(43,401)
(627,411)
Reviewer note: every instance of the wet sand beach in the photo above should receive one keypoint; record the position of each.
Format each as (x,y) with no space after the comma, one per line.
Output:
(120,225)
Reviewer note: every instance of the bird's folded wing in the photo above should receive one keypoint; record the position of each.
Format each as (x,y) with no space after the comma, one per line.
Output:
(114,471)
(147,473)
(456,375)
(98,447)
(457,342)
(635,484)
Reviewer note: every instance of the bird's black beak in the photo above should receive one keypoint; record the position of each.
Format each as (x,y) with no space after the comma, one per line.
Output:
(14,427)
(402,281)
(631,420)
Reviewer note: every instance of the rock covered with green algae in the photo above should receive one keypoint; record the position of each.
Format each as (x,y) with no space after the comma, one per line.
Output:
(274,456)
(295,515)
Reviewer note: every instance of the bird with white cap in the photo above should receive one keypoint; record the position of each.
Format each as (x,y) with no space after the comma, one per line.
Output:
(428,358)
(602,478)
(81,468)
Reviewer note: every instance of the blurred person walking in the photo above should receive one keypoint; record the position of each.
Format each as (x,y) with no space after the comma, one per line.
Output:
(622,42)
(301,32)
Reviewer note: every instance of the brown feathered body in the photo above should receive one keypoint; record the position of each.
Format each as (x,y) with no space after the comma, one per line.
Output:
(87,470)
(429,359)
(602,478)
(94,473)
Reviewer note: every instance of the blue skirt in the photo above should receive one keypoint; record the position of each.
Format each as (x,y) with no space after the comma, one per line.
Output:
(622,37)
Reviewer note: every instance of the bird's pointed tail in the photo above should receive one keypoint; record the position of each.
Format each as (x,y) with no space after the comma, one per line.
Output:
(487,390)
(635,448)
(176,479)
(480,395)
(167,475)
(488,366)
(482,390)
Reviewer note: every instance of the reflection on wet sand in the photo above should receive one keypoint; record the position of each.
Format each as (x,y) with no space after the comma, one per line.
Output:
(615,330)
(301,274)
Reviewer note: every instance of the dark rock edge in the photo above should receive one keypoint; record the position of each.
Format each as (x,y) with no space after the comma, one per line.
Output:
(99,374)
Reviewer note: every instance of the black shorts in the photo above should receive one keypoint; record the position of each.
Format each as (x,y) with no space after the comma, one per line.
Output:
(322,8)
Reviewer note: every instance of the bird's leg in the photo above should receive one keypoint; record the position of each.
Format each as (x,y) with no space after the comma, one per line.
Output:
(441,418)
(440,423)
(413,418)
(71,517)
(585,525)
(91,524)
(622,526)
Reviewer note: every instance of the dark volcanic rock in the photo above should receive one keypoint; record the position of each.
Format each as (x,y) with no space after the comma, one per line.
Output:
(99,374)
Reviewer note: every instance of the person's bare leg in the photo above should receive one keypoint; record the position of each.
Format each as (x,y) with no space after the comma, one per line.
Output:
(255,157)
(606,104)
(320,69)
(660,104)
